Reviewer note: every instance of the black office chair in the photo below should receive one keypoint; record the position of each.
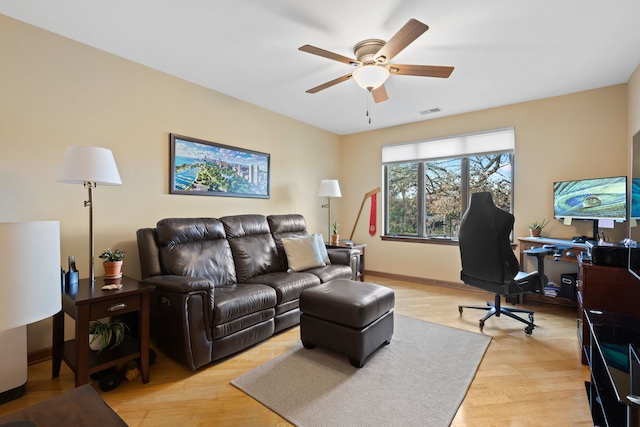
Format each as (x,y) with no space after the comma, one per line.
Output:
(488,262)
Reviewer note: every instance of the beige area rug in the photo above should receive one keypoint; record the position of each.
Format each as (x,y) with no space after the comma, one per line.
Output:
(420,379)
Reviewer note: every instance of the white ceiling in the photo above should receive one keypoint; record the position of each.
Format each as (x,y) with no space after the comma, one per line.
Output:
(503,51)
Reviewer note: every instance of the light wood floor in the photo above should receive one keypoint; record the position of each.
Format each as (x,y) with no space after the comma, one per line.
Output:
(523,380)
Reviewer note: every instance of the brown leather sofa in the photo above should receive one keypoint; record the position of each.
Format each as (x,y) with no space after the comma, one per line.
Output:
(222,284)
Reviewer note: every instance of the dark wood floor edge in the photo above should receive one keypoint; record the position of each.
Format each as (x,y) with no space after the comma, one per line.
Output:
(39,355)
(422,280)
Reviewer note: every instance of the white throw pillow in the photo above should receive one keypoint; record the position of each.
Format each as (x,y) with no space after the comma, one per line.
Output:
(322,248)
(302,253)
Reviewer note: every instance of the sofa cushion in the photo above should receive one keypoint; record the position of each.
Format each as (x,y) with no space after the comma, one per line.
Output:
(286,226)
(239,307)
(234,301)
(332,272)
(289,223)
(196,247)
(302,253)
(322,248)
(288,286)
(253,248)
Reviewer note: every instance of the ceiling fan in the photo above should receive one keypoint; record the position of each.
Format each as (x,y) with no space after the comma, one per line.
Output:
(373,65)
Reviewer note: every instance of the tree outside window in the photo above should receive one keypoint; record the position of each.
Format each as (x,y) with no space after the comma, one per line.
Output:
(427,199)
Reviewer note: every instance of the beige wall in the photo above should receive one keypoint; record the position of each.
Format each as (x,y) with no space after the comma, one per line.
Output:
(55,92)
(634,102)
(580,135)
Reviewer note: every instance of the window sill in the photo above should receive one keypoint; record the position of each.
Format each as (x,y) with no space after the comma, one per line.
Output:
(426,240)
(415,239)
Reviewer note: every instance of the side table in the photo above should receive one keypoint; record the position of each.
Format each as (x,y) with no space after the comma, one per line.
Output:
(88,302)
(359,248)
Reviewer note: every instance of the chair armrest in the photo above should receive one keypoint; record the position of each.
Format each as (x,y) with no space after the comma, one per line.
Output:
(540,254)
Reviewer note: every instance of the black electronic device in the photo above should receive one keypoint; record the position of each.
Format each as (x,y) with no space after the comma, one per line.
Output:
(608,254)
(579,239)
(71,276)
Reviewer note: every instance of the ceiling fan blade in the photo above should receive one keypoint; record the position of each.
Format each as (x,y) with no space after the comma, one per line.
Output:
(329,84)
(420,70)
(326,54)
(380,94)
(403,38)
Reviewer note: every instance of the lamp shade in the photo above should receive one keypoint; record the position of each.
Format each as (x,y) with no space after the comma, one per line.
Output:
(329,188)
(30,272)
(370,77)
(89,164)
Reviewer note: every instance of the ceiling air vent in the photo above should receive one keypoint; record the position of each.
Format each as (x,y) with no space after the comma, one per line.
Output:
(431,111)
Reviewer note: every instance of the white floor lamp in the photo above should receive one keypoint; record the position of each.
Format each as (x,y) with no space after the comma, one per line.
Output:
(89,166)
(329,188)
(30,285)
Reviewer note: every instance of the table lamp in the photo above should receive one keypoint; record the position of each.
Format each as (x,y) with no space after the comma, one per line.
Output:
(89,166)
(30,284)
(329,188)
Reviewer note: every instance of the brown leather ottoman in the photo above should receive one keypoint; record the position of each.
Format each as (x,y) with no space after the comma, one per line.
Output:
(349,317)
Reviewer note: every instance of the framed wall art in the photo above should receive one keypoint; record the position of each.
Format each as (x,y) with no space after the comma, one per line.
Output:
(210,169)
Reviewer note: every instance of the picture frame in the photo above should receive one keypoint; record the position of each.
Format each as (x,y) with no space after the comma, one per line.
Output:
(206,168)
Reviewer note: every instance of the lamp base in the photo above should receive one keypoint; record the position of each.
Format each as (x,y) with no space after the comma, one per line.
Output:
(12,394)
(13,370)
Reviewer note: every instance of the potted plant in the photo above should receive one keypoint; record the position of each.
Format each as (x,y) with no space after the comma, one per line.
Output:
(335,237)
(112,263)
(536,227)
(102,335)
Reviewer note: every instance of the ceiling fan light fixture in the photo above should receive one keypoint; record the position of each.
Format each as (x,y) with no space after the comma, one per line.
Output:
(370,77)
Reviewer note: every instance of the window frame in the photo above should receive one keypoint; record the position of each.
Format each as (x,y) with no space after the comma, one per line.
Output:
(420,236)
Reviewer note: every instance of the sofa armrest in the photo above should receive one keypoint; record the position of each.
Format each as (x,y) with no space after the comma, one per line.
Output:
(180,284)
(346,256)
(342,256)
(181,318)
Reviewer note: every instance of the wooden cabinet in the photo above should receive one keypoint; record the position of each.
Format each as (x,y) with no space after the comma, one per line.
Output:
(602,288)
(611,352)
(89,302)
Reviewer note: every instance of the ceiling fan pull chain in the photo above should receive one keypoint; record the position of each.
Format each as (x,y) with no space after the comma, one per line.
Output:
(369,106)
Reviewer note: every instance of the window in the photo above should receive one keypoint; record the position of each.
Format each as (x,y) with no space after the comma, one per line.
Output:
(428,183)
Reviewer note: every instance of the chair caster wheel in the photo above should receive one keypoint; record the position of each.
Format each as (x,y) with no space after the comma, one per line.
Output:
(528,330)
(481,325)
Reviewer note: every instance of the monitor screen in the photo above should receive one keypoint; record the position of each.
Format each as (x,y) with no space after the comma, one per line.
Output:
(635,198)
(634,230)
(597,198)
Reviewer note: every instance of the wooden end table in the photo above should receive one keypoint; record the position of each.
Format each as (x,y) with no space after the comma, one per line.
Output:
(87,302)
